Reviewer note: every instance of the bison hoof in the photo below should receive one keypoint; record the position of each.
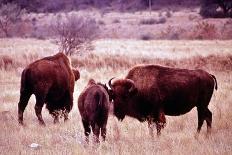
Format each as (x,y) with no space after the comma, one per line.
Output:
(66,120)
(56,121)
(42,124)
(21,122)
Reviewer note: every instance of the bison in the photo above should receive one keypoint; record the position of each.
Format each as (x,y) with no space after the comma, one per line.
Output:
(149,92)
(93,105)
(51,80)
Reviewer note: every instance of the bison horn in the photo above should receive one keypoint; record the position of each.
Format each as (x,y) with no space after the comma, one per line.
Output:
(132,85)
(110,85)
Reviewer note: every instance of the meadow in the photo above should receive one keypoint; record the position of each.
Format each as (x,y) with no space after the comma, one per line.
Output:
(113,58)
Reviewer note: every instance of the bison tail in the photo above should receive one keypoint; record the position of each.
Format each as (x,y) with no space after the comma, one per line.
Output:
(215,80)
(100,104)
(100,101)
(25,84)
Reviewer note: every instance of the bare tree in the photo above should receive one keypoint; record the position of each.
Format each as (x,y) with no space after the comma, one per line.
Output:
(10,13)
(75,33)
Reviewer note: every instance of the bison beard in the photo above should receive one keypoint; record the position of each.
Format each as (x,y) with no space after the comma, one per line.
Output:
(93,104)
(149,92)
(51,80)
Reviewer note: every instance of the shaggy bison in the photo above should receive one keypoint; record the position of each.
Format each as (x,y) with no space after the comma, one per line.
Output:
(149,92)
(93,104)
(51,80)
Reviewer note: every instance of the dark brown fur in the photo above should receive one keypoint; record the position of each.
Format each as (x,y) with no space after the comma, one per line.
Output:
(93,104)
(51,80)
(155,91)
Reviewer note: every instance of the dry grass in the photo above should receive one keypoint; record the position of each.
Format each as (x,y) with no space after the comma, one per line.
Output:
(113,58)
(130,25)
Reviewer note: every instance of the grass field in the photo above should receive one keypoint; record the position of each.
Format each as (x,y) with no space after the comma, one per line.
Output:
(108,59)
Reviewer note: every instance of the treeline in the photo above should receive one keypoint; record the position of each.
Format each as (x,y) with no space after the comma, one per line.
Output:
(125,5)
(216,8)
(209,8)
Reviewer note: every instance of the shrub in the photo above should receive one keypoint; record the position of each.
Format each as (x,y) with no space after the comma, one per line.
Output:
(204,30)
(10,13)
(147,36)
(192,17)
(168,14)
(209,8)
(149,21)
(226,30)
(152,21)
(101,22)
(161,20)
(75,33)
(5,62)
(116,21)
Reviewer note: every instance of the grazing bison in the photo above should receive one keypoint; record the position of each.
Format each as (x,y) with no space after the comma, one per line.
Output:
(93,104)
(149,92)
(51,80)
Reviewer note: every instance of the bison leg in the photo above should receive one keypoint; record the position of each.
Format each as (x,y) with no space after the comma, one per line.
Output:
(200,113)
(103,132)
(56,119)
(55,114)
(161,122)
(87,130)
(24,98)
(150,126)
(208,119)
(158,128)
(38,109)
(204,114)
(66,115)
(68,105)
(96,132)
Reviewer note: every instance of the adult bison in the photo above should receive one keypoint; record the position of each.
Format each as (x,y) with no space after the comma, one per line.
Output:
(149,92)
(93,104)
(51,80)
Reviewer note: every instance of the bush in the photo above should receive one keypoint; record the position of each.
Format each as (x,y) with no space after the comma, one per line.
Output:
(116,21)
(216,8)
(5,62)
(101,22)
(204,30)
(147,37)
(161,20)
(10,13)
(152,21)
(75,33)
(168,14)
(149,21)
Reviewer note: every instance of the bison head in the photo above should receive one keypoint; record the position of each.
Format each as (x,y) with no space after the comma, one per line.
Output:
(76,74)
(122,91)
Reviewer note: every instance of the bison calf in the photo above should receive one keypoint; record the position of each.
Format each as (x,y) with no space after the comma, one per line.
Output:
(93,104)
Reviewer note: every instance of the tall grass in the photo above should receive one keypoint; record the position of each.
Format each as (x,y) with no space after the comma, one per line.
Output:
(129,136)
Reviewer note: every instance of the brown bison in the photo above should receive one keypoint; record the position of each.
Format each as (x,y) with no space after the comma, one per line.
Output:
(149,92)
(93,104)
(51,80)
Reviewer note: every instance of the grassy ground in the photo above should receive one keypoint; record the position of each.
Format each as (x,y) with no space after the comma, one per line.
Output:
(113,58)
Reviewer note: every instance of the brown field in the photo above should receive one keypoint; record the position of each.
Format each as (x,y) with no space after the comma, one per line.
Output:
(108,59)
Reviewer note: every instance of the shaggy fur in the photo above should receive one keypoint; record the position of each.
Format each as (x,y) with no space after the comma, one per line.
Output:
(51,80)
(93,104)
(149,92)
